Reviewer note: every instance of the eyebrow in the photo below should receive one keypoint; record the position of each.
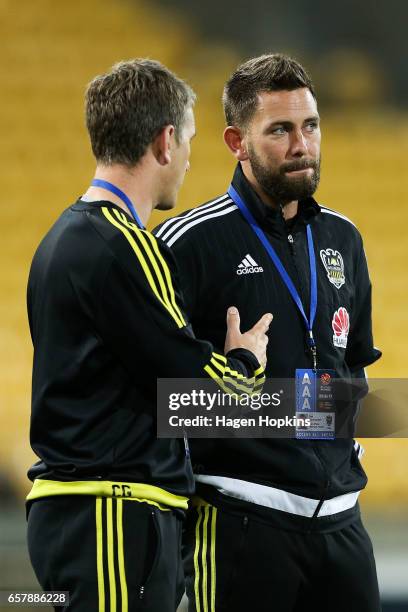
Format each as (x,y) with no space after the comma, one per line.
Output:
(286,123)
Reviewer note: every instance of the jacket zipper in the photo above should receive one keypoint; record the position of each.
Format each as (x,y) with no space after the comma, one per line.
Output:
(291,242)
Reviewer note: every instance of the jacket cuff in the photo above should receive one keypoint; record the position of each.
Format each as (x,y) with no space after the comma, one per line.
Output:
(366,361)
(247,358)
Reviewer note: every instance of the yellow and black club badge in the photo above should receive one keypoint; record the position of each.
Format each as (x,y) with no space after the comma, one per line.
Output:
(333,262)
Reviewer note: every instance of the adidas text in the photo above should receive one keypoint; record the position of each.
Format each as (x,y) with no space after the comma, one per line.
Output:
(251,270)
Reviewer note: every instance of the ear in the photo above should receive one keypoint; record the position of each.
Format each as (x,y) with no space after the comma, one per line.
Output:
(235,141)
(162,145)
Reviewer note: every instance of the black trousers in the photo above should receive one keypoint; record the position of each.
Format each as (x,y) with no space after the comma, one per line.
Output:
(112,555)
(236,563)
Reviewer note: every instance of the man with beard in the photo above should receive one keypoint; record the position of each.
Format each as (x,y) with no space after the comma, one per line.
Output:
(276,525)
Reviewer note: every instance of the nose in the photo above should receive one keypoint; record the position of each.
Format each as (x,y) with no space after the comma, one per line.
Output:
(298,144)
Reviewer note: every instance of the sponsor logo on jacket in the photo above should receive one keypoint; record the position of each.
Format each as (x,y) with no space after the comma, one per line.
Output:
(341,327)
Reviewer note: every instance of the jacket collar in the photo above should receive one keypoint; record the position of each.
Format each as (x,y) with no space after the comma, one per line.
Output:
(271,218)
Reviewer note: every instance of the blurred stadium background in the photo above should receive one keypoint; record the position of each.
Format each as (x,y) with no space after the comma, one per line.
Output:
(356,52)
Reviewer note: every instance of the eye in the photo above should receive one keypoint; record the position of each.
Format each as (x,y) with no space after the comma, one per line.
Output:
(312,125)
(278,130)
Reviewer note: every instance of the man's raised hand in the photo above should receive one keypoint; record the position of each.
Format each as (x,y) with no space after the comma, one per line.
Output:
(254,340)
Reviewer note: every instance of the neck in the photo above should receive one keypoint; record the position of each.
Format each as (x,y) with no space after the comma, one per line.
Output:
(134,182)
(289,210)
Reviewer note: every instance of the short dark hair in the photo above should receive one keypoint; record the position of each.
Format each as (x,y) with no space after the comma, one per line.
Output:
(270,72)
(127,107)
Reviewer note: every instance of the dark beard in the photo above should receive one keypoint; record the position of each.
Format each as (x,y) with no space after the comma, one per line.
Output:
(280,187)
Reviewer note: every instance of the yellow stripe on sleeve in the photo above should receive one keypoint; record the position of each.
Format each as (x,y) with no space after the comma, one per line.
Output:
(241,387)
(220,357)
(143,263)
(216,357)
(223,360)
(237,389)
(238,376)
(255,381)
(219,381)
(141,236)
(219,367)
(166,272)
(258,372)
(167,289)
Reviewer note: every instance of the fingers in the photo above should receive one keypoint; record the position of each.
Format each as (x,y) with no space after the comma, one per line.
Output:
(254,340)
(264,343)
(263,324)
(233,321)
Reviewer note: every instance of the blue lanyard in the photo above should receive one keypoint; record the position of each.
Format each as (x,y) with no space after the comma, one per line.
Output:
(113,189)
(234,195)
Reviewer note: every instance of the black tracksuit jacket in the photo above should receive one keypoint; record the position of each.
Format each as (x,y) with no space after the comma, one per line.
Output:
(212,243)
(106,321)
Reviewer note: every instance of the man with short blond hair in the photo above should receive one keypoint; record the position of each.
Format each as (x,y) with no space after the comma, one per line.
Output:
(106,320)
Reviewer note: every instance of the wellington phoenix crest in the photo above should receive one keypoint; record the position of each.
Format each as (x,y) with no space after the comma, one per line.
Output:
(341,327)
(333,262)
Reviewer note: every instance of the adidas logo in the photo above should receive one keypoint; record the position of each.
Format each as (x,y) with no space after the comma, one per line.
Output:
(248,266)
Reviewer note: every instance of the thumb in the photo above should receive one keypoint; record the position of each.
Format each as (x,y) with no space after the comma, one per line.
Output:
(264,322)
(233,321)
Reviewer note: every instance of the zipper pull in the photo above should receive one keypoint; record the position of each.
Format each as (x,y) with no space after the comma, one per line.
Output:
(141,592)
(290,238)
